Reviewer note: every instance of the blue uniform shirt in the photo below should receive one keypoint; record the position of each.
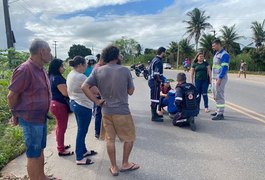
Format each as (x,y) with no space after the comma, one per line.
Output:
(156,69)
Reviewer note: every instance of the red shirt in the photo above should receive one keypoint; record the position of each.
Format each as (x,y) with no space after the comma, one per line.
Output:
(165,90)
(31,82)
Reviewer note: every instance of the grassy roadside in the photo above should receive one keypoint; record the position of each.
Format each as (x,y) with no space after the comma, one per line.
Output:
(11,138)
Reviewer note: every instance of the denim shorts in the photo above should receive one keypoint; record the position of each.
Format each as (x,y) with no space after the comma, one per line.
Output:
(35,136)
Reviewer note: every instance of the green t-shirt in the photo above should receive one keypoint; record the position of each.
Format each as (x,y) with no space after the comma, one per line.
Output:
(200,70)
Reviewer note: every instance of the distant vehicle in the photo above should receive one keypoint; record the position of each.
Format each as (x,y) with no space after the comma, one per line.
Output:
(91,59)
(140,69)
(166,66)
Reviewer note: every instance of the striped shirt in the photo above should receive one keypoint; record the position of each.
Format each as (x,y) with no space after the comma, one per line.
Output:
(31,82)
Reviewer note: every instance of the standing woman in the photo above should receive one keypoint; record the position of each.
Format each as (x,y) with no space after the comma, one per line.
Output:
(58,106)
(202,72)
(82,108)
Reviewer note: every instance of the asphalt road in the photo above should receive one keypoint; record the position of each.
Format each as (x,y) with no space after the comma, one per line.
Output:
(232,149)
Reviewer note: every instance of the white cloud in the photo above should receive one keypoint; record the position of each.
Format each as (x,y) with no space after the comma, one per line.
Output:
(37,19)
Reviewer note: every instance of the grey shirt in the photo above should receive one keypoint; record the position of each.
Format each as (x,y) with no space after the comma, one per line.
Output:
(113,82)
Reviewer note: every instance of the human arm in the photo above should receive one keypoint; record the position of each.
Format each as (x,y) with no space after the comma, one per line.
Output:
(209,73)
(224,68)
(86,88)
(63,89)
(178,98)
(130,86)
(12,99)
(192,73)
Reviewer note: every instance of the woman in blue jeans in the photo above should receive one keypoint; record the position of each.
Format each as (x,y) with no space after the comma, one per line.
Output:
(82,108)
(201,70)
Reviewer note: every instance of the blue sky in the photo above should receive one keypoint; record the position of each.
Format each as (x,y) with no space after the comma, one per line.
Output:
(143,7)
(97,23)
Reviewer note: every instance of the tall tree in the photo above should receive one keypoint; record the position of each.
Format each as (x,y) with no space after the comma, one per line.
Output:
(206,45)
(173,50)
(127,46)
(229,36)
(139,49)
(258,33)
(78,50)
(197,23)
(185,48)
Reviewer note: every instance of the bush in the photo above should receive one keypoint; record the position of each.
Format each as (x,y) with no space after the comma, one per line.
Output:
(11,138)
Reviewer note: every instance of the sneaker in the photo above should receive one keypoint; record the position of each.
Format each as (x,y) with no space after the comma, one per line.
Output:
(192,123)
(218,117)
(214,114)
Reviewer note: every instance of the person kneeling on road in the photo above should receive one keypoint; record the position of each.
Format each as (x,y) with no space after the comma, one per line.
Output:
(186,103)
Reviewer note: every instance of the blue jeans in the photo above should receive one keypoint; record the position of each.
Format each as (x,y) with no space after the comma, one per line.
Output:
(83,117)
(35,136)
(202,88)
(98,118)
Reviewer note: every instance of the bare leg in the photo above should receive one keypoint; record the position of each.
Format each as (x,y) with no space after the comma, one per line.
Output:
(35,167)
(112,156)
(127,148)
(245,74)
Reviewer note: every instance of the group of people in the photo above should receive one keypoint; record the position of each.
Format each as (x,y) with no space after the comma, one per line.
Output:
(183,102)
(33,92)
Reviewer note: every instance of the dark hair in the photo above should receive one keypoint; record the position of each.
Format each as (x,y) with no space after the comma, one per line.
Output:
(195,60)
(76,61)
(54,67)
(98,57)
(217,41)
(110,53)
(181,77)
(161,50)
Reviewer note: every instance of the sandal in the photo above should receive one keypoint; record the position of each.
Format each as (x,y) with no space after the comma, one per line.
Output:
(132,168)
(67,146)
(65,153)
(206,110)
(51,177)
(90,153)
(88,162)
(113,173)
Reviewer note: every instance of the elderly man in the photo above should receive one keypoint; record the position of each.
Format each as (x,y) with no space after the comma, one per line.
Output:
(28,99)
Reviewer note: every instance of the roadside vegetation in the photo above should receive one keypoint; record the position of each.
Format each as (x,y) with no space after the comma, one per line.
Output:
(11,138)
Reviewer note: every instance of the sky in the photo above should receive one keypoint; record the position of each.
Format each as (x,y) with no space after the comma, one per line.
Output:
(97,23)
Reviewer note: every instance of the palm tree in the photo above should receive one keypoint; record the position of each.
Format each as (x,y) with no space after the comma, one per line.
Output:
(258,33)
(185,48)
(229,37)
(206,45)
(173,50)
(197,24)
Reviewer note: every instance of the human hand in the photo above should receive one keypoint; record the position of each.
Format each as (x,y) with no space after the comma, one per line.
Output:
(100,102)
(218,82)
(13,121)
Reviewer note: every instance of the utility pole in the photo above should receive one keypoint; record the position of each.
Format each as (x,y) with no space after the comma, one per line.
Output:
(55,52)
(9,34)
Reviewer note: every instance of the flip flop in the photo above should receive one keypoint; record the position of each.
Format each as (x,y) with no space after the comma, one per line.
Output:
(91,153)
(66,154)
(132,168)
(113,174)
(51,177)
(67,146)
(88,162)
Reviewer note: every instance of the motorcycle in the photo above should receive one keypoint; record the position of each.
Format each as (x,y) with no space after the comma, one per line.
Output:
(140,69)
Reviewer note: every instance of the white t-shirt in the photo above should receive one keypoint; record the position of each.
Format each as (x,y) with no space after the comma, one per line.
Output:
(74,82)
